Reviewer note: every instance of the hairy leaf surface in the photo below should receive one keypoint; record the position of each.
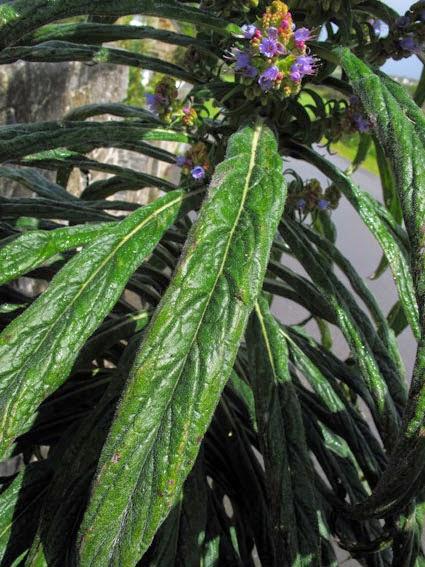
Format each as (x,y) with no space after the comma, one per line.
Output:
(25,16)
(33,248)
(399,126)
(378,222)
(288,468)
(38,348)
(187,354)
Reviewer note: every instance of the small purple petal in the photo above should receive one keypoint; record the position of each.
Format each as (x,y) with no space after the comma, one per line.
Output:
(362,123)
(180,160)
(409,44)
(268,77)
(268,47)
(198,172)
(250,71)
(280,49)
(323,204)
(377,26)
(402,21)
(249,31)
(272,33)
(304,65)
(302,34)
(301,203)
(295,76)
(152,102)
(243,64)
(243,60)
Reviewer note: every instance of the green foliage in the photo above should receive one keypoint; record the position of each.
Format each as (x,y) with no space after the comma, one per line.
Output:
(164,414)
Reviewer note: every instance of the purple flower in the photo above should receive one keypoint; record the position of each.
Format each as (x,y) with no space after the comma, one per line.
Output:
(323,204)
(409,44)
(152,102)
(249,31)
(243,64)
(354,100)
(295,76)
(268,77)
(243,60)
(402,21)
(376,25)
(362,123)
(198,172)
(273,33)
(180,160)
(250,71)
(301,35)
(304,65)
(301,203)
(268,47)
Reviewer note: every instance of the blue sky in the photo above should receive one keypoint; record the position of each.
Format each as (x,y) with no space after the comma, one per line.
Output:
(406,67)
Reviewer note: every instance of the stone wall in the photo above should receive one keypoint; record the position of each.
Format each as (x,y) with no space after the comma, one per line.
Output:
(36,92)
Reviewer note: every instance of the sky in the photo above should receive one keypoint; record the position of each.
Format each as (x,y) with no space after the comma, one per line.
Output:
(410,67)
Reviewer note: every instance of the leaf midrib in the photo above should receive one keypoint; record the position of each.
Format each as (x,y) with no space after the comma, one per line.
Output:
(255,141)
(121,243)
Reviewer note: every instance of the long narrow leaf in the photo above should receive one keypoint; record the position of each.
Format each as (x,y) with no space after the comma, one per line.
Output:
(58,51)
(288,468)
(18,141)
(25,16)
(399,126)
(370,212)
(38,348)
(169,400)
(33,248)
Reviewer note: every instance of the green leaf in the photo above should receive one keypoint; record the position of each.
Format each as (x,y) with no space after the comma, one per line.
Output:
(397,318)
(289,471)
(75,211)
(386,352)
(170,398)
(33,248)
(399,125)
(114,109)
(58,51)
(87,32)
(26,16)
(38,349)
(356,329)
(389,189)
(18,141)
(34,181)
(20,507)
(335,411)
(361,154)
(419,97)
(376,219)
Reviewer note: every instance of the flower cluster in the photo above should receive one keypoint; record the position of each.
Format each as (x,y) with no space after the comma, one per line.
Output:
(163,101)
(275,56)
(406,36)
(189,116)
(409,32)
(356,116)
(195,161)
(345,117)
(310,197)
